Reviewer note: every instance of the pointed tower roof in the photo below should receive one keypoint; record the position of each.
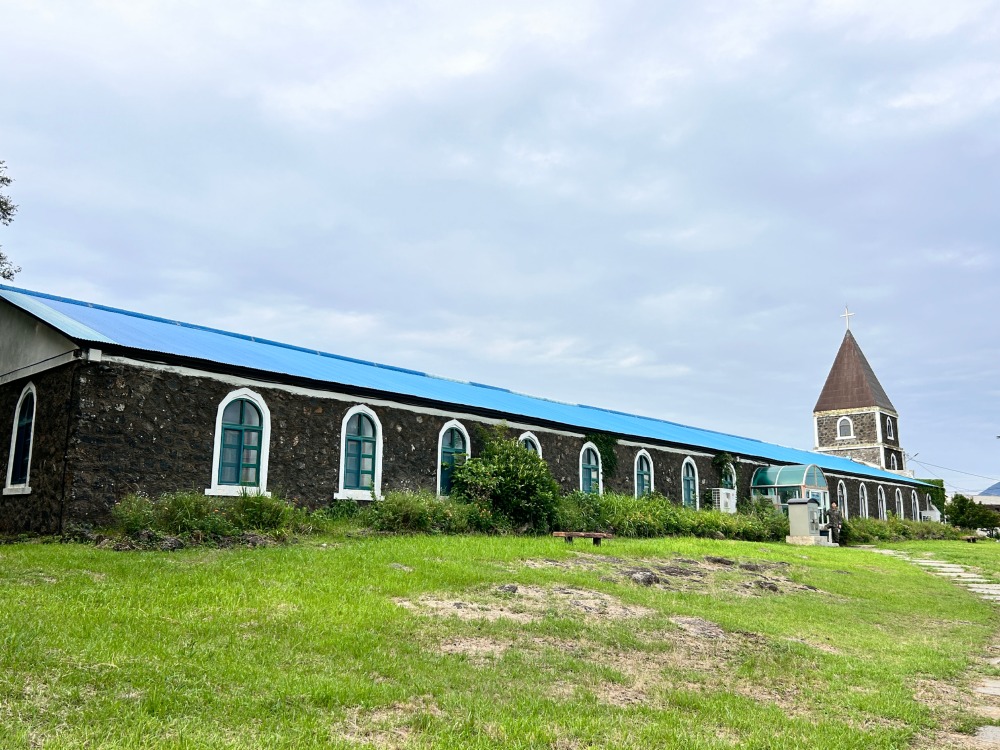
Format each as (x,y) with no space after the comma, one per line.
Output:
(851,383)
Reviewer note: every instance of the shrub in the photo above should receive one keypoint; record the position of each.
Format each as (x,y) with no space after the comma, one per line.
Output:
(424,512)
(185,512)
(134,513)
(513,483)
(259,512)
(873,530)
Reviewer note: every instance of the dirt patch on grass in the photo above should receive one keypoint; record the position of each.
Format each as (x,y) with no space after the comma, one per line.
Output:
(713,575)
(480,651)
(386,727)
(526,604)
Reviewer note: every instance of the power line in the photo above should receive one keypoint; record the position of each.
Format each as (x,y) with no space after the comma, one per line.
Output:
(956,471)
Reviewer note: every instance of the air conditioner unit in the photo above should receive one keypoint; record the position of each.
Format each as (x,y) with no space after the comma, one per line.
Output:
(930,515)
(724,499)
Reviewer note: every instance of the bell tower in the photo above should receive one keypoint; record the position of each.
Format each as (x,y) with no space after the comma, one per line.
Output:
(854,417)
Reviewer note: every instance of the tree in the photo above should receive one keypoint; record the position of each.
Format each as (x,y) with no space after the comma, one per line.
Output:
(7,211)
(966,513)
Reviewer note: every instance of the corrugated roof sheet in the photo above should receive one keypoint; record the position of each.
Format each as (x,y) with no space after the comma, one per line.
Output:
(90,323)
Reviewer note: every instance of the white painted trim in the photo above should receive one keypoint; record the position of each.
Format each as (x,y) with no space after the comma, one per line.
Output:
(890,432)
(468,448)
(880,495)
(25,487)
(38,367)
(851,423)
(878,432)
(899,504)
(893,463)
(816,431)
(863,499)
(353,494)
(232,490)
(842,499)
(914,505)
(635,472)
(533,438)
(697,484)
(600,467)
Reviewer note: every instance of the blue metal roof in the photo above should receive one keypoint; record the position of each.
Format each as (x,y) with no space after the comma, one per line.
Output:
(90,323)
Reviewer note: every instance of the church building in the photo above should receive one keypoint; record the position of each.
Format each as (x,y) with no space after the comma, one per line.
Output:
(102,402)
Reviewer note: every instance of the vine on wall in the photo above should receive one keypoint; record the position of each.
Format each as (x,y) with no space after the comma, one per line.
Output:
(606,447)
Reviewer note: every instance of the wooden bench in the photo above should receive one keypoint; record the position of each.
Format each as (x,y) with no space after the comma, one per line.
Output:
(597,536)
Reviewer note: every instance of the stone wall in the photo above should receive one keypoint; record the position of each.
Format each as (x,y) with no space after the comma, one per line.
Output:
(134,429)
(865,429)
(853,486)
(41,510)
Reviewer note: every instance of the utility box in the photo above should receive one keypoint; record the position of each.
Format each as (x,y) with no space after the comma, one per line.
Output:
(724,500)
(803,521)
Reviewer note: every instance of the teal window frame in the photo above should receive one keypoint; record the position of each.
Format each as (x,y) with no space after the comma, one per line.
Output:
(590,471)
(450,454)
(242,440)
(23,437)
(362,446)
(643,475)
(528,444)
(689,484)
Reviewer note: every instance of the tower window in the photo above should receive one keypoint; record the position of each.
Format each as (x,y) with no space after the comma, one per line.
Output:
(893,463)
(890,431)
(845,428)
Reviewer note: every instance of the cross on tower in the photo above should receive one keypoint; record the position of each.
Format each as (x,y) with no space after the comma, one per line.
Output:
(847,316)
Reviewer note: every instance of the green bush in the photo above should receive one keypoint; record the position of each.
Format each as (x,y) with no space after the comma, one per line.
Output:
(134,513)
(424,512)
(259,512)
(186,512)
(873,530)
(655,515)
(513,483)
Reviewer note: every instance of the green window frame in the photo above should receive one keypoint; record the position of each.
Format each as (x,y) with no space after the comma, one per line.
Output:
(360,453)
(22,441)
(453,451)
(643,476)
(528,444)
(590,472)
(242,436)
(689,485)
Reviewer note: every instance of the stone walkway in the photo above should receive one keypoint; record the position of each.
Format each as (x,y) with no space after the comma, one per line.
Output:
(987,689)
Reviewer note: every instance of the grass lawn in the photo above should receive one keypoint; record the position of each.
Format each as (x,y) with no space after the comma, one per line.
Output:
(411,642)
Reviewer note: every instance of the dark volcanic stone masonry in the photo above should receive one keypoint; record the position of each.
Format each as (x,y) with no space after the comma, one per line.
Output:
(105,429)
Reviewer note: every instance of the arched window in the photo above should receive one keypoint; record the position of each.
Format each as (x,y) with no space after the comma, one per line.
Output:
(360,454)
(643,474)
(529,441)
(914,505)
(842,498)
(881,503)
(591,476)
(890,430)
(893,463)
(845,428)
(863,500)
(453,448)
(21,441)
(930,505)
(689,484)
(242,438)
(728,478)
(899,503)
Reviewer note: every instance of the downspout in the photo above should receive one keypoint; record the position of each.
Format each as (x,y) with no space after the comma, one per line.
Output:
(74,377)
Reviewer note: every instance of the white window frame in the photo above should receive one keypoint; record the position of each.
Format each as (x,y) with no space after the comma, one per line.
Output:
(863,500)
(359,494)
(900,511)
(234,490)
(842,498)
(468,449)
(893,463)
(22,489)
(697,483)
(915,505)
(883,514)
(531,436)
(890,431)
(635,472)
(849,422)
(600,467)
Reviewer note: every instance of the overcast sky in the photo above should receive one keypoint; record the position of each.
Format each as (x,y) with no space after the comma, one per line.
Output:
(655,207)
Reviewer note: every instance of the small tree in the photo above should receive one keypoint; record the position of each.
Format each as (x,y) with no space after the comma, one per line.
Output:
(966,513)
(7,210)
(512,481)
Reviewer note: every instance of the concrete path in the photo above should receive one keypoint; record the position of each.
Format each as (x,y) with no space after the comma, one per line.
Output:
(987,590)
